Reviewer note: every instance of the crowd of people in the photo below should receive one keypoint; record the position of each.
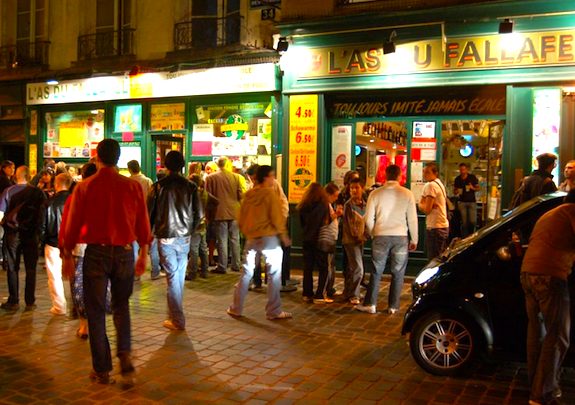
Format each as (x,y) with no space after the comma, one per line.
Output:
(99,229)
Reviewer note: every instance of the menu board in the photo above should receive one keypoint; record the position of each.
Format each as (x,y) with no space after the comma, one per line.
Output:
(165,117)
(303,129)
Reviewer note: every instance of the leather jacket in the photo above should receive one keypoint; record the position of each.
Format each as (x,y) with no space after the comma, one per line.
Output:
(50,227)
(174,207)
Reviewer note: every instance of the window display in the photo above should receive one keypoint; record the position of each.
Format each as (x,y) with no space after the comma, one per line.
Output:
(73,134)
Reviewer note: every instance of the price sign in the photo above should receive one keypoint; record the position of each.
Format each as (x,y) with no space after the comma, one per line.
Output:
(302,144)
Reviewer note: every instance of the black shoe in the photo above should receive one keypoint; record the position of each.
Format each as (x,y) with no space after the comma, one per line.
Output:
(102,378)
(218,271)
(7,306)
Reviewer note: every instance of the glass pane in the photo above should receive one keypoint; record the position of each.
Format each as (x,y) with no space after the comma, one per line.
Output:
(204,32)
(105,14)
(380,144)
(233,5)
(73,134)
(204,7)
(126,13)
(23,5)
(233,28)
(23,26)
(39,24)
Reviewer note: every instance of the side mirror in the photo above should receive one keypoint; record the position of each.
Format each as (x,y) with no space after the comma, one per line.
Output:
(503,254)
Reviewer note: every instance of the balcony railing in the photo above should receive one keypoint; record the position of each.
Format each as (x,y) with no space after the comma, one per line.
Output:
(24,54)
(207,32)
(106,44)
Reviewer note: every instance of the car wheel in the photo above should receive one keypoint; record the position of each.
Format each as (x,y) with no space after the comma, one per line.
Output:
(443,343)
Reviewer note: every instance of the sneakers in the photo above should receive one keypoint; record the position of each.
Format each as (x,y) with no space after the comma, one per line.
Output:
(127,369)
(7,306)
(354,301)
(232,313)
(281,315)
(102,378)
(307,299)
(325,300)
(369,309)
(168,324)
(392,311)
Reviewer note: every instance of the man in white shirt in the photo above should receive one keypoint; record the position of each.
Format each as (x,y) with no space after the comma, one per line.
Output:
(389,215)
(136,174)
(433,204)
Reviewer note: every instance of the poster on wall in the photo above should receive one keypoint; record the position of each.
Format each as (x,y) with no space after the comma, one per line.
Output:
(164,117)
(424,129)
(340,152)
(546,122)
(202,139)
(302,144)
(33,158)
(128,118)
(73,134)
(33,123)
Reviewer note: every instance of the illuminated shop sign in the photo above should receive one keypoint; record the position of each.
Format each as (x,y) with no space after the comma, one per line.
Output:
(486,52)
(225,80)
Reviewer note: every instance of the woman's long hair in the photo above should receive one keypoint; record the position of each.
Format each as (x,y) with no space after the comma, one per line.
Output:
(315,194)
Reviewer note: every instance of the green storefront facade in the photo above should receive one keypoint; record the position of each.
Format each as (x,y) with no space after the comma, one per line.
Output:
(233,111)
(453,91)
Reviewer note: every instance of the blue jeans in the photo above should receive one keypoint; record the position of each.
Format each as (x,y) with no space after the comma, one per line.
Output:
(155,258)
(228,230)
(396,248)
(548,312)
(436,241)
(198,249)
(354,272)
(468,211)
(270,249)
(116,264)
(174,259)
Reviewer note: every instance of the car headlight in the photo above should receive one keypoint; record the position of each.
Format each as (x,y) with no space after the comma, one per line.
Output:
(426,274)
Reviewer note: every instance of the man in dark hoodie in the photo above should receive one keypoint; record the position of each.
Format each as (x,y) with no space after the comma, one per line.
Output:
(50,229)
(264,226)
(175,212)
(540,182)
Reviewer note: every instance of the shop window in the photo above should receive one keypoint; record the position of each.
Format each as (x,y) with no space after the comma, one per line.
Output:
(379,144)
(166,117)
(241,131)
(478,144)
(73,134)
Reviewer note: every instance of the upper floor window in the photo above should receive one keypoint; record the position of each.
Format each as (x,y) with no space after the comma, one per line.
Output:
(30,21)
(113,15)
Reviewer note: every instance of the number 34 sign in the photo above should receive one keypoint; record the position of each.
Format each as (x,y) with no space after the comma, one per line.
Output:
(302,144)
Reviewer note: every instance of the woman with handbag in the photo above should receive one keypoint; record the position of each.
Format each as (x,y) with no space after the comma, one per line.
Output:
(314,214)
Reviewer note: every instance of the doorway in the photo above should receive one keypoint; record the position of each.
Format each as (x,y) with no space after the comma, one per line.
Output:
(162,146)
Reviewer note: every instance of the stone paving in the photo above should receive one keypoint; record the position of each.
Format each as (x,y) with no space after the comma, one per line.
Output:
(326,354)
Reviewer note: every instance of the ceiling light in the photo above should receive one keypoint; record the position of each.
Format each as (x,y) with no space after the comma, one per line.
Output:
(506,26)
(52,82)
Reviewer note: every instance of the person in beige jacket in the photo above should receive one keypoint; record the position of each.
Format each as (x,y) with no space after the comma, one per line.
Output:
(263,224)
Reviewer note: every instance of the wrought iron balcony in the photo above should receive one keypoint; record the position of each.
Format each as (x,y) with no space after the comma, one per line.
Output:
(106,44)
(207,32)
(24,54)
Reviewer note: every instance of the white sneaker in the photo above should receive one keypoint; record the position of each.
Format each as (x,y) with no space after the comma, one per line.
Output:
(370,309)
(392,311)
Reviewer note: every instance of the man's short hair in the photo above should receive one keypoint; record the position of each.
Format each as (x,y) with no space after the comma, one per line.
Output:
(108,152)
(464,165)
(88,170)
(433,167)
(263,172)
(545,160)
(252,170)
(5,164)
(222,162)
(174,161)
(134,166)
(63,180)
(23,173)
(392,172)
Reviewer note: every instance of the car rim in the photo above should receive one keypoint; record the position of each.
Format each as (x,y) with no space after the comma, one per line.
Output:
(446,343)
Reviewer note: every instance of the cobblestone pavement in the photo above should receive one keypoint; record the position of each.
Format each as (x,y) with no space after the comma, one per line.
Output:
(327,354)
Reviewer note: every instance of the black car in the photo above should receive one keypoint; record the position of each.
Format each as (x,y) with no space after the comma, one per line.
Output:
(469,301)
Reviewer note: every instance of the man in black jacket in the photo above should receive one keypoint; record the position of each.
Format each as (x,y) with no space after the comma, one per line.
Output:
(174,209)
(540,182)
(21,212)
(50,228)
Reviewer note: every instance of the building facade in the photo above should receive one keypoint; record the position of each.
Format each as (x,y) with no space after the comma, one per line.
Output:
(387,85)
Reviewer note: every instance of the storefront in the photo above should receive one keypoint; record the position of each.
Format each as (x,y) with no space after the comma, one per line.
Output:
(231,111)
(451,90)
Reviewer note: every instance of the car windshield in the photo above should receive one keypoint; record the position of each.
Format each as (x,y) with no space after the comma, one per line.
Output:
(459,244)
